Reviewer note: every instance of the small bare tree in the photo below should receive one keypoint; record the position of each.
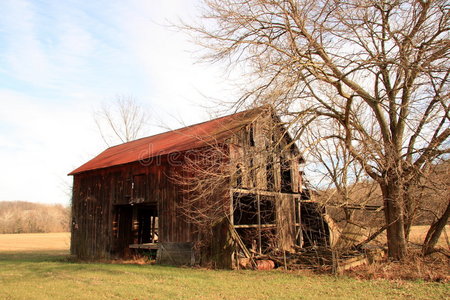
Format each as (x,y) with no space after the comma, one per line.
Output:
(205,180)
(121,121)
(380,69)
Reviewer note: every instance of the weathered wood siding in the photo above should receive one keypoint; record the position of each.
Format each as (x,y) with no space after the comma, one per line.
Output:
(97,195)
(265,162)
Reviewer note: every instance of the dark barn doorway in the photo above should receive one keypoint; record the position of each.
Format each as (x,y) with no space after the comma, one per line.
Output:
(133,226)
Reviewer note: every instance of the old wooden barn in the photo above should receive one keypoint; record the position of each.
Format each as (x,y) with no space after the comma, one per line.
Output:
(132,196)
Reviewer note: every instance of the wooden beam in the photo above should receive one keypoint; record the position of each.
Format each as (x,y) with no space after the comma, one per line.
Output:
(241,244)
(255,226)
(258,200)
(262,193)
(153,246)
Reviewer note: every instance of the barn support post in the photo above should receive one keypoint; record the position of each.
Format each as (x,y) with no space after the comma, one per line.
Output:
(258,203)
(234,260)
(299,216)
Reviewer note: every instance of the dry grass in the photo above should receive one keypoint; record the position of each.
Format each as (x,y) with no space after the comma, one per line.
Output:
(48,275)
(35,242)
(418,233)
(433,268)
(417,236)
(38,264)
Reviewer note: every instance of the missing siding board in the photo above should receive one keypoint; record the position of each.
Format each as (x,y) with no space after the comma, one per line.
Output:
(286,176)
(246,209)
(315,229)
(251,135)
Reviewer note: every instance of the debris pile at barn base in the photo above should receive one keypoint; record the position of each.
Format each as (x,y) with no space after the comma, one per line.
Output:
(322,259)
(348,250)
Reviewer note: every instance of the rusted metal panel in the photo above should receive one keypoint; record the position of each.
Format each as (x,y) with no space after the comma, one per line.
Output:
(183,139)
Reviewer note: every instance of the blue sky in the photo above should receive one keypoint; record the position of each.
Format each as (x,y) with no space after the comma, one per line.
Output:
(60,60)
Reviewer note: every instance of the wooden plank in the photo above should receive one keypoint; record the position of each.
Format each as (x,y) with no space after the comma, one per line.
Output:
(261,192)
(285,221)
(255,226)
(258,204)
(153,246)
(235,236)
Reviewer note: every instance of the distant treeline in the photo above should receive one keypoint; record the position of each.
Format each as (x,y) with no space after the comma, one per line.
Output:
(28,217)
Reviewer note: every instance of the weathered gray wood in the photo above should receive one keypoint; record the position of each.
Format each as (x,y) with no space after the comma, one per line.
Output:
(152,246)
(177,254)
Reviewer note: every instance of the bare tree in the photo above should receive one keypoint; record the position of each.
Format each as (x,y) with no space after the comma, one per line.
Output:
(122,121)
(379,69)
(205,180)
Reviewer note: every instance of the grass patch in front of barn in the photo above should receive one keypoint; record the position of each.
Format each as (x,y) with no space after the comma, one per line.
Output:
(36,266)
(48,275)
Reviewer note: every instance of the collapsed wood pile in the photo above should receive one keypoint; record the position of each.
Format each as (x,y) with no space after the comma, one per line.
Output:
(341,256)
(316,258)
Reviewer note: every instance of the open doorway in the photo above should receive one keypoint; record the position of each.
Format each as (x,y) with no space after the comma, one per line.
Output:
(135,227)
(147,224)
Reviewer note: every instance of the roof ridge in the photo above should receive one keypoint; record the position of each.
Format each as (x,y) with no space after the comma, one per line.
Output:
(186,127)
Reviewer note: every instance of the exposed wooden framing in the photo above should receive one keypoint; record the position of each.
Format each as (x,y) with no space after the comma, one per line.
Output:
(357,206)
(135,225)
(256,226)
(235,236)
(299,234)
(260,192)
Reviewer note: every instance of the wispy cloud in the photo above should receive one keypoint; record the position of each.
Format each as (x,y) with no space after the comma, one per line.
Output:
(61,59)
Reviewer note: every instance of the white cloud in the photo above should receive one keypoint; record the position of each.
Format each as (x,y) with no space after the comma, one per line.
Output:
(59,60)
(46,143)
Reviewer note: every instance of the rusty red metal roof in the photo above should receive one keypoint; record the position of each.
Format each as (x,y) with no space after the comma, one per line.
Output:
(186,138)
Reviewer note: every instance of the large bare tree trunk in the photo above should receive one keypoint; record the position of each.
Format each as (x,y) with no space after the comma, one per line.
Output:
(393,210)
(435,231)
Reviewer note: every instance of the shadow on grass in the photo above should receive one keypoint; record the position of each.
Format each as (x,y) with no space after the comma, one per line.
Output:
(35,256)
(45,264)
(64,259)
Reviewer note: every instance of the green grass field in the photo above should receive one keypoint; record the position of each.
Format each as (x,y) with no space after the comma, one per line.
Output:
(47,274)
